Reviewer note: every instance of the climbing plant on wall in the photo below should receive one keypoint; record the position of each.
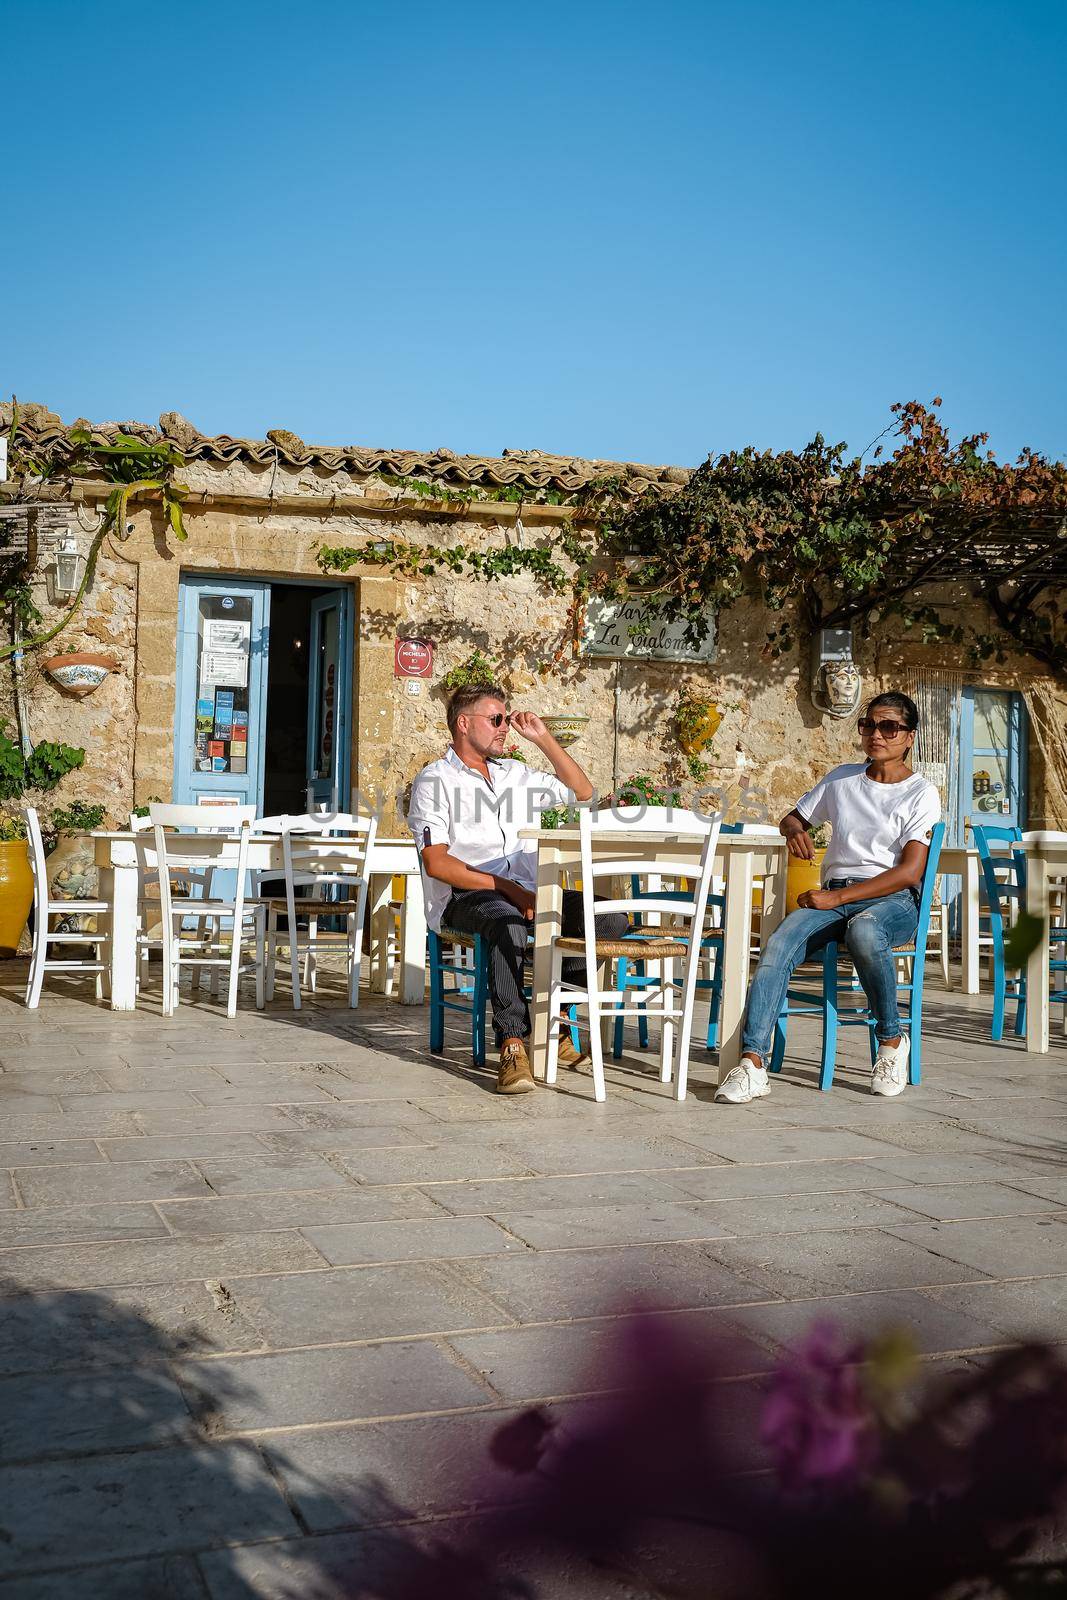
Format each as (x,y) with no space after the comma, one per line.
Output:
(133,465)
(822,538)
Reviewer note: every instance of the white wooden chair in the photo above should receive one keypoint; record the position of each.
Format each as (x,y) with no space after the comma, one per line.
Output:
(213,908)
(677,936)
(204,819)
(44,908)
(320,854)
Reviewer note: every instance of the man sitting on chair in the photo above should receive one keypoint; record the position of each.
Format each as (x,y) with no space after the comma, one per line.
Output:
(465,814)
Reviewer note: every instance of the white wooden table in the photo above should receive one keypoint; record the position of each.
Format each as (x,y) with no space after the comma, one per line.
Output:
(116,861)
(1045,859)
(739,860)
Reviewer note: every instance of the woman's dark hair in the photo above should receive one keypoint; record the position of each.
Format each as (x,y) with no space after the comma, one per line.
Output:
(902,703)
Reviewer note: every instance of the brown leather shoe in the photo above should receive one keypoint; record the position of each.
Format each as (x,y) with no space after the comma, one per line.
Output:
(515,1075)
(577,1060)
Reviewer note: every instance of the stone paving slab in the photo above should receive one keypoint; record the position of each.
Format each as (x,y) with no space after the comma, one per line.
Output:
(362,1261)
(79,1224)
(304,1387)
(91,1185)
(172,1577)
(374,1302)
(255,1214)
(427,1239)
(50,1331)
(555,1285)
(71,1413)
(156,1260)
(138,1504)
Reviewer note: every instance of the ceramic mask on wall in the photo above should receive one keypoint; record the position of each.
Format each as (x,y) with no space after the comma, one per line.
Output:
(842,684)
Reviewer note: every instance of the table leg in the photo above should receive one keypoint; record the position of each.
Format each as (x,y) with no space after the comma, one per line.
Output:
(413,944)
(379,895)
(773,899)
(548,921)
(969,914)
(118,886)
(1037,967)
(737,938)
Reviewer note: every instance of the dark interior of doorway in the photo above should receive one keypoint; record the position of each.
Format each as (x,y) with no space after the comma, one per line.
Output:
(285,746)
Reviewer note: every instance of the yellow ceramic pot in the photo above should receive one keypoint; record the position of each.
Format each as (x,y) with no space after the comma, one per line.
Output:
(701,730)
(801,876)
(16,894)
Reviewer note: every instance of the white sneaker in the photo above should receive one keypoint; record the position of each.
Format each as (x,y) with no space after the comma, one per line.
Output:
(890,1074)
(742,1084)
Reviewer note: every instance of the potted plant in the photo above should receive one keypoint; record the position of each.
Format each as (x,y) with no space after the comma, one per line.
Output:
(641,790)
(476,669)
(803,875)
(72,873)
(697,720)
(16,884)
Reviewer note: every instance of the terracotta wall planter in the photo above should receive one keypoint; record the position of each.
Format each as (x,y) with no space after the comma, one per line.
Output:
(566,730)
(79,672)
(16,894)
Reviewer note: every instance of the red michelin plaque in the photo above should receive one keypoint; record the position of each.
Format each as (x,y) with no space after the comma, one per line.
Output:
(412,658)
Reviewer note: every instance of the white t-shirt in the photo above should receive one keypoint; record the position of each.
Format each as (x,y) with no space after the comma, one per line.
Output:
(872,822)
(453,805)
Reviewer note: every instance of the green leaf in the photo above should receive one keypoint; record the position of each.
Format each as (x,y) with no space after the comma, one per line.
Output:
(1028,933)
(174,512)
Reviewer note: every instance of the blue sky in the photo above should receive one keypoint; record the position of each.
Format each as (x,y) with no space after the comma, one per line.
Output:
(640,232)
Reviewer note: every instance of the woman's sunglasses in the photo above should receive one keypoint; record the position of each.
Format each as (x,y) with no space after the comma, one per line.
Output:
(496,717)
(888,730)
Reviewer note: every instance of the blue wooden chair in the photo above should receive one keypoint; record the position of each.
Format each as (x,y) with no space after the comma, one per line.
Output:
(631,973)
(810,1002)
(464,957)
(999,893)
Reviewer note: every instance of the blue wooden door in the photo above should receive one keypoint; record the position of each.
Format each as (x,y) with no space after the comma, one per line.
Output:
(329,700)
(991,784)
(223,634)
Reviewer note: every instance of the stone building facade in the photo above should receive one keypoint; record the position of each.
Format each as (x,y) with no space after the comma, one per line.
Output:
(262,510)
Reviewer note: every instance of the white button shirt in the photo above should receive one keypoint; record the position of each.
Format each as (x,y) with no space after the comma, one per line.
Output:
(479,822)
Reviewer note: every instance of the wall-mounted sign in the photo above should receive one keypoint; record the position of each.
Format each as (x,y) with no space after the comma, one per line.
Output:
(636,630)
(412,658)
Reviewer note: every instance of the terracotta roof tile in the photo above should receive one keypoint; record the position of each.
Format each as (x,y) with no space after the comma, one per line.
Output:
(528,469)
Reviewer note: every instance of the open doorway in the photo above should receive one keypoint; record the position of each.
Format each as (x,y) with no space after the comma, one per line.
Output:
(305,732)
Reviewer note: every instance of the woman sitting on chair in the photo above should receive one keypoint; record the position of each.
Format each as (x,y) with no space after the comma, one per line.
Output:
(882,814)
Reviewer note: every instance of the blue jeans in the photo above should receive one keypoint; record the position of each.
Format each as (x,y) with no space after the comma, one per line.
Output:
(869,930)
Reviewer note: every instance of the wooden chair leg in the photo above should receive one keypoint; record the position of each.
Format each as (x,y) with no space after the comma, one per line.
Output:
(37,961)
(479,1000)
(666,1049)
(829,1016)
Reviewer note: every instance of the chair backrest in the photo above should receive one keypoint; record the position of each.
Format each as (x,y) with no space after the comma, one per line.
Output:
(35,842)
(994,843)
(201,819)
(340,856)
(173,853)
(691,905)
(652,819)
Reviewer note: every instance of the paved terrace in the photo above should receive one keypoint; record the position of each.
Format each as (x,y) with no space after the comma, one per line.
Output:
(271,1283)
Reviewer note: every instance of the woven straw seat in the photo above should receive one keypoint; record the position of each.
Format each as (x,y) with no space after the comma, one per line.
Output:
(651,949)
(317,908)
(454,936)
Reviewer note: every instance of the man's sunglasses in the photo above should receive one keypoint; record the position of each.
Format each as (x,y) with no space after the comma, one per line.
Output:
(496,717)
(888,730)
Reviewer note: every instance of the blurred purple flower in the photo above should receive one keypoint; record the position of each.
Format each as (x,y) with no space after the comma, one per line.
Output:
(519,1445)
(817,1421)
